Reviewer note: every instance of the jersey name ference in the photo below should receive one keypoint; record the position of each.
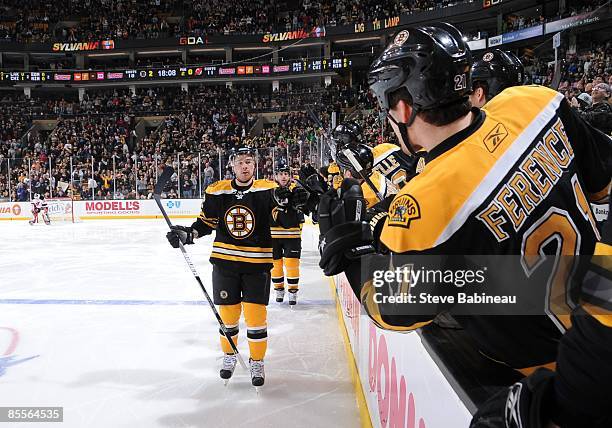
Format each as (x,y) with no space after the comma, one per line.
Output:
(538,173)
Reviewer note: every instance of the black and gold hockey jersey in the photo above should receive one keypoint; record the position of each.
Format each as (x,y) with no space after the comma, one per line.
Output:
(383,185)
(241,218)
(391,162)
(291,219)
(514,182)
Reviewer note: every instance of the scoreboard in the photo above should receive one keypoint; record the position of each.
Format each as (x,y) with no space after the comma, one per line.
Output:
(176,72)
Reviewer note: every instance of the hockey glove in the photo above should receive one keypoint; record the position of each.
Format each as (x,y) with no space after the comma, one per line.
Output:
(180,233)
(524,404)
(345,235)
(312,181)
(282,196)
(299,197)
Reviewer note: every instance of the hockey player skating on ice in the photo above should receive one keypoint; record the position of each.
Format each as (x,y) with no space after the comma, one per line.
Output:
(239,211)
(39,206)
(514,178)
(287,240)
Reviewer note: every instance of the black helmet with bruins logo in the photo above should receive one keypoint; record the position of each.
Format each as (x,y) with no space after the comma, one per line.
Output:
(431,61)
(499,70)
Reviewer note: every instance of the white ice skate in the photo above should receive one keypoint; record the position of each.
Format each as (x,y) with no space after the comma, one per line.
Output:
(292,297)
(229,364)
(257,373)
(280,294)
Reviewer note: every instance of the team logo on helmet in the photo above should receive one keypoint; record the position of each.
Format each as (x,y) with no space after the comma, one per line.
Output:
(488,56)
(240,221)
(403,211)
(401,38)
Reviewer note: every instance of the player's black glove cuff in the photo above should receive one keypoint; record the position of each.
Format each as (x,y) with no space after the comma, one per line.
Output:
(315,184)
(180,233)
(525,404)
(282,196)
(343,243)
(299,197)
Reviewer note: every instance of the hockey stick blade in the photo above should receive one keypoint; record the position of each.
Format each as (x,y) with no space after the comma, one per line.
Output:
(163,179)
(357,166)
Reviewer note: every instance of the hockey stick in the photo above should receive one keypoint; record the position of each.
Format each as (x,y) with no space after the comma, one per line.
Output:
(159,187)
(357,166)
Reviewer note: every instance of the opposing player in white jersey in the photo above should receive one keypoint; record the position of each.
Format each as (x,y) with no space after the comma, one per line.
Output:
(39,205)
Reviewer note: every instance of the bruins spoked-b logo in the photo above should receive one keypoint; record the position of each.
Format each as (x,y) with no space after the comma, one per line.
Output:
(488,57)
(240,221)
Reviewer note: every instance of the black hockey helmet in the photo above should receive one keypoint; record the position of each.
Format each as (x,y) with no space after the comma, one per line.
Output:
(431,61)
(241,151)
(360,152)
(498,70)
(347,133)
(282,166)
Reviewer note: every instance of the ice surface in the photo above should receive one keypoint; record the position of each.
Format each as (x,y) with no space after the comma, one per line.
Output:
(105,319)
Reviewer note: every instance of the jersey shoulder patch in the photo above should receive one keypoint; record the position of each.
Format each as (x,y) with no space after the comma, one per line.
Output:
(403,210)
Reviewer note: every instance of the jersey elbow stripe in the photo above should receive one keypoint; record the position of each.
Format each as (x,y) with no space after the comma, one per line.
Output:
(602,315)
(373,311)
(601,196)
(602,249)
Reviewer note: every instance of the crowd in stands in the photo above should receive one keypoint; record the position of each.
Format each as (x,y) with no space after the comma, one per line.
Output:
(585,79)
(199,129)
(518,21)
(72,21)
(76,21)
(578,68)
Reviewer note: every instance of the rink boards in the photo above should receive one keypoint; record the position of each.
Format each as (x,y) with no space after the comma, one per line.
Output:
(145,209)
(103,210)
(398,383)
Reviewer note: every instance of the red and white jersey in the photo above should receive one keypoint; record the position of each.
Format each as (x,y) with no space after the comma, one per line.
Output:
(37,204)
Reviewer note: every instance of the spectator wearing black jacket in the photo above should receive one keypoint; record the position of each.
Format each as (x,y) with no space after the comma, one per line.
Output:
(599,115)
